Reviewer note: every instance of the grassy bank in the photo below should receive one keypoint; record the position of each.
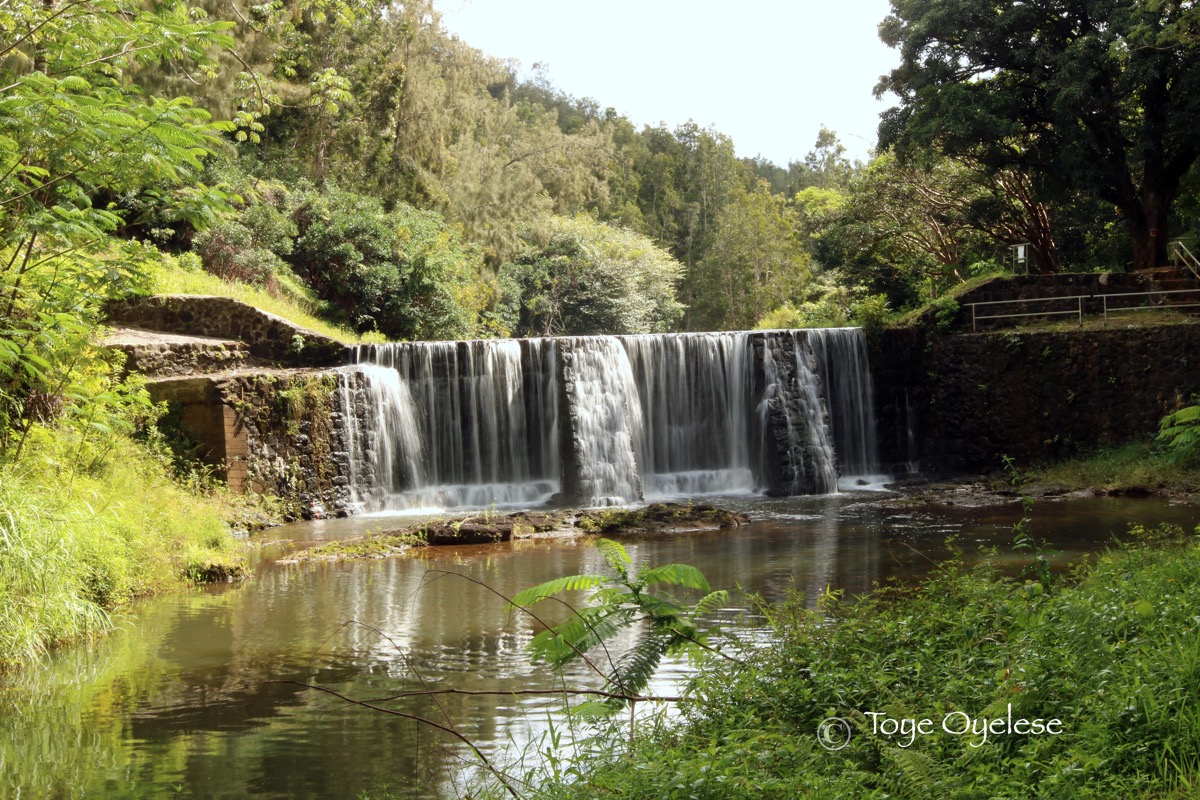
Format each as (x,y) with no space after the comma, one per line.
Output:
(1138,466)
(81,536)
(1112,653)
(293,301)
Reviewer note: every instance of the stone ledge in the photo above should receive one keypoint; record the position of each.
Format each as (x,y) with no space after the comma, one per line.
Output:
(269,337)
(164,355)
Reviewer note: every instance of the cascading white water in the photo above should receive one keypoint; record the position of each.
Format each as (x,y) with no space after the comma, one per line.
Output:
(485,417)
(608,422)
(386,451)
(477,424)
(841,355)
(694,391)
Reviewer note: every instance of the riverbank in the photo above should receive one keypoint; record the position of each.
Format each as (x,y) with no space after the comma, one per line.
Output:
(85,533)
(1138,469)
(948,688)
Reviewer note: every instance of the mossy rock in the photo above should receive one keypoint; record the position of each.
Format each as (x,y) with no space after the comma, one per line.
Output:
(469,532)
(218,573)
(490,529)
(659,518)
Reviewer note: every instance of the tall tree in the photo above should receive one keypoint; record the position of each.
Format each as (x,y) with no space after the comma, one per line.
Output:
(756,262)
(73,127)
(1102,96)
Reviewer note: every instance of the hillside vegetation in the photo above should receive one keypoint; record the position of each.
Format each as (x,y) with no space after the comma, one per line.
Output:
(370,172)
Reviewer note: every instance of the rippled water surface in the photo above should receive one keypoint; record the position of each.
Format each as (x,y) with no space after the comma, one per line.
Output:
(199,695)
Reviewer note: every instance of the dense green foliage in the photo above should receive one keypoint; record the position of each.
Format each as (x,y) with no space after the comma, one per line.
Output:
(404,273)
(88,524)
(1111,652)
(579,277)
(89,520)
(1100,97)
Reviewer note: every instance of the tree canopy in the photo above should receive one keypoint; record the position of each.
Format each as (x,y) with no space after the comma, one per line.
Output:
(1100,96)
(577,276)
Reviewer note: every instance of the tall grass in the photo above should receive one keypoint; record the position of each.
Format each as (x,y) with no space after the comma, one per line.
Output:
(78,543)
(1113,652)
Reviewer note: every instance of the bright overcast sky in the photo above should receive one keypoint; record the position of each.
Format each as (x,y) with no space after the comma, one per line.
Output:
(768,74)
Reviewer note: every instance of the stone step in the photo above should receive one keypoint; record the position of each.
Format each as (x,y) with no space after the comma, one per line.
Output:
(164,355)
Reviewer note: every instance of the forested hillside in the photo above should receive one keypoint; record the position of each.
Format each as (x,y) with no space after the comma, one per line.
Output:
(360,165)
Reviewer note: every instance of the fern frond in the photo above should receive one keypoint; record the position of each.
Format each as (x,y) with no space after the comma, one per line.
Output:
(918,771)
(636,667)
(1184,416)
(588,628)
(614,555)
(713,601)
(684,575)
(568,583)
(659,608)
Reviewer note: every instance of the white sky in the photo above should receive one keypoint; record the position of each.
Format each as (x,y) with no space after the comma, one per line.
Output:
(768,74)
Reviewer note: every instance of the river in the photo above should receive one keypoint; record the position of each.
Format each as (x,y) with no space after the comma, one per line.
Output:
(191,698)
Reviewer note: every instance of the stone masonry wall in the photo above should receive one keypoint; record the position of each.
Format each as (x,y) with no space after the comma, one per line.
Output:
(269,337)
(962,401)
(273,432)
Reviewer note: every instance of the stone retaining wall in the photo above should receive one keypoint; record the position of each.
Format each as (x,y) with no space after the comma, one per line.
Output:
(961,402)
(269,337)
(180,358)
(273,432)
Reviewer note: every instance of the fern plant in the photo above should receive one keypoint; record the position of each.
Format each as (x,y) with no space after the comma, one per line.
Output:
(623,601)
(1181,432)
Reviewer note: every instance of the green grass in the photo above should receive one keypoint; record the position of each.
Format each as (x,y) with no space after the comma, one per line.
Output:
(914,316)
(1140,465)
(78,544)
(293,303)
(1113,652)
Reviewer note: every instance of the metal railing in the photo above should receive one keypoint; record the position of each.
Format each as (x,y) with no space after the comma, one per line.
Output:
(1156,307)
(976,316)
(1182,257)
(1078,302)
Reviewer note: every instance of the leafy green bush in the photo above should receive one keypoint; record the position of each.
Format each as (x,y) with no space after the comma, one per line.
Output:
(403,272)
(945,310)
(1181,433)
(577,277)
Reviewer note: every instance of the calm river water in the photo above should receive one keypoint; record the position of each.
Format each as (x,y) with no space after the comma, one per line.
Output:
(190,699)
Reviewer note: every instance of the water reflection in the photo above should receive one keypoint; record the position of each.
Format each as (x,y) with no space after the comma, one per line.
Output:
(192,700)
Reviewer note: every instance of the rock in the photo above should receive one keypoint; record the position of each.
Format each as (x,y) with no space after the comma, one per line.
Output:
(453,533)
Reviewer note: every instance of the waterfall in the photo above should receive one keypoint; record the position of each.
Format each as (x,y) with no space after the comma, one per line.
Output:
(605,420)
(841,355)
(381,436)
(484,415)
(686,383)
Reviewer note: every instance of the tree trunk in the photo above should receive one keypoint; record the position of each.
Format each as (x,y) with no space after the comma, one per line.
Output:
(1147,223)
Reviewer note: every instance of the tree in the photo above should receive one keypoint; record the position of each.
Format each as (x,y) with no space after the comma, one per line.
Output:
(403,272)
(757,261)
(1101,96)
(74,128)
(578,277)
